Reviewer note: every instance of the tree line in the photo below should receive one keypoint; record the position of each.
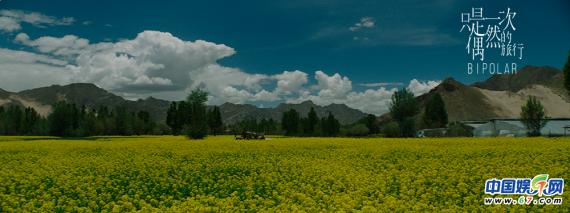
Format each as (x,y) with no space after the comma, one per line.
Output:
(192,118)
(311,125)
(266,126)
(69,120)
(15,120)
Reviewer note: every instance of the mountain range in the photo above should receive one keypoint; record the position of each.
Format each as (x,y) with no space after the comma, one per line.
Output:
(500,96)
(91,96)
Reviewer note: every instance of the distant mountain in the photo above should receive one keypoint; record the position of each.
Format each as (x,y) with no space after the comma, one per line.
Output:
(501,96)
(92,96)
(528,75)
(78,93)
(235,112)
(82,94)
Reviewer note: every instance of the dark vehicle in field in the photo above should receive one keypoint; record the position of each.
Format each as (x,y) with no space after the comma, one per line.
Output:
(246,135)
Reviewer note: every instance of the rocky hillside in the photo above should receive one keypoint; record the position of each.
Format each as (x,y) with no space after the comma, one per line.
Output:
(502,96)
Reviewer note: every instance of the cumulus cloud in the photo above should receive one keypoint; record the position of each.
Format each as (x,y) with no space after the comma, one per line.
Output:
(365,22)
(152,61)
(337,89)
(226,84)
(374,101)
(10,20)
(240,96)
(25,70)
(332,87)
(156,62)
(290,81)
(418,87)
(65,46)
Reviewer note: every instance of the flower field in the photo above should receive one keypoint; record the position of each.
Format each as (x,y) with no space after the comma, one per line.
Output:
(118,174)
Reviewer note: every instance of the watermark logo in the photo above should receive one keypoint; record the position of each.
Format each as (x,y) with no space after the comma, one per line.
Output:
(540,185)
(491,34)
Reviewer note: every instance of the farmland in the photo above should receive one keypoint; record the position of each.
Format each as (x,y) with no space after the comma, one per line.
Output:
(168,173)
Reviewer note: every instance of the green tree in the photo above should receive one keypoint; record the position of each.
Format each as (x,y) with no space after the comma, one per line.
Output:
(267,126)
(142,123)
(290,122)
(372,124)
(105,122)
(184,114)
(533,116)
(198,127)
(330,125)
(566,71)
(178,116)
(311,122)
(215,120)
(403,109)
(123,122)
(435,114)
(90,122)
(13,120)
(171,118)
(358,130)
(2,121)
(30,122)
(60,119)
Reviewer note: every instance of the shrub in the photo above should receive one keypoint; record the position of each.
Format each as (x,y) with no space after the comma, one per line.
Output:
(357,130)
(391,130)
(457,129)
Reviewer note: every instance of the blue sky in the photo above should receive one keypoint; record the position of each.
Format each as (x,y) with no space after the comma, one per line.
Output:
(363,41)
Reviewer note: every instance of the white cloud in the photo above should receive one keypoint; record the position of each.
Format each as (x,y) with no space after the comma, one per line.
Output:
(234,95)
(371,101)
(8,24)
(24,70)
(162,65)
(64,46)
(23,57)
(365,22)
(332,87)
(290,81)
(419,88)
(153,60)
(337,89)
(226,84)
(10,20)
(157,61)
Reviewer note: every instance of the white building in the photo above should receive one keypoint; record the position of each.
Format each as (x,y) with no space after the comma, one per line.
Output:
(515,128)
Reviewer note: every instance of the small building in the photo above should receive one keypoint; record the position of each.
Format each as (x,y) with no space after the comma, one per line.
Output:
(515,128)
(499,128)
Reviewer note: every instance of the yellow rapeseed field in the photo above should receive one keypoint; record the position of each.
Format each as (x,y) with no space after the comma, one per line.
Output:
(220,174)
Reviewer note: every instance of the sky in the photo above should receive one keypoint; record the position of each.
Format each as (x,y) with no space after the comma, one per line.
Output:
(263,52)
